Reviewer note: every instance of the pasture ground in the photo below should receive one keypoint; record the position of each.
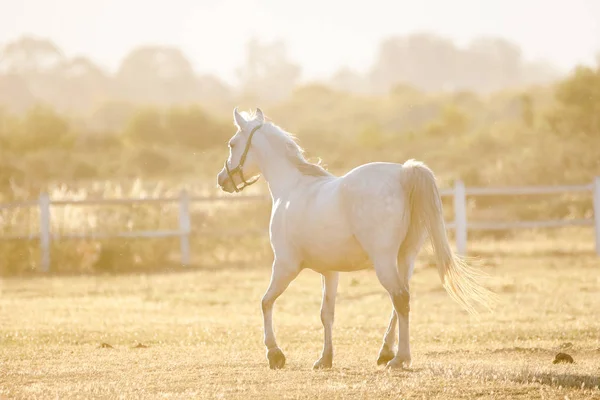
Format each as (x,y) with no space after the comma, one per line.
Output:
(203,332)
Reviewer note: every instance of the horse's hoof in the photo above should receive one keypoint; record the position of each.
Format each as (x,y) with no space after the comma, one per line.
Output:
(399,363)
(276,358)
(323,363)
(385,356)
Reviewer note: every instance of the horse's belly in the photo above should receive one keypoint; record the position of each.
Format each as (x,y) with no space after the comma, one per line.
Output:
(323,232)
(336,254)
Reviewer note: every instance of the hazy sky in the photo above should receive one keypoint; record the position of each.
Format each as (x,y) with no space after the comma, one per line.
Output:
(322,35)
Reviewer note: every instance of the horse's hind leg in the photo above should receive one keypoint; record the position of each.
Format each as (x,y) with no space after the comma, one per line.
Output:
(402,307)
(396,283)
(405,267)
(330,285)
(386,353)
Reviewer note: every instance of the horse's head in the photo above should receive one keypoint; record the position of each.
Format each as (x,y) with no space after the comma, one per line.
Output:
(243,161)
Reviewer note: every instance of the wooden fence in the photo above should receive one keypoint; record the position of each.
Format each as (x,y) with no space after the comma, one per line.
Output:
(461,224)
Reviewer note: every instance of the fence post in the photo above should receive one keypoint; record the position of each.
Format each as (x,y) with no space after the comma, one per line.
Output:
(597,212)
(460,217)
(184,227)
(44,204)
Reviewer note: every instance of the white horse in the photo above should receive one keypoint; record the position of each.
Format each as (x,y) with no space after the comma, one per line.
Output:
(376,216)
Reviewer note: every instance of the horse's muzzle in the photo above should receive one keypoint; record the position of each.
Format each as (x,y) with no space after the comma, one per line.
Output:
(240,172)
(224,183)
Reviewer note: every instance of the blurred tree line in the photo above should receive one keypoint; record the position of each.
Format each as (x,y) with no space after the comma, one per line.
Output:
(66,119)
(34,70)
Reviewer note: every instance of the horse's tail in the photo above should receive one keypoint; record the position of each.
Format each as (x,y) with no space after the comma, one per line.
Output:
(458,278)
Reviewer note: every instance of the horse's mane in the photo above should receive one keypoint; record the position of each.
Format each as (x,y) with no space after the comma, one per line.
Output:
(286,143)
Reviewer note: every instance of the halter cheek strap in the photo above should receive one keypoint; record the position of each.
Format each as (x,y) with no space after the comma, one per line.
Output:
(240,168)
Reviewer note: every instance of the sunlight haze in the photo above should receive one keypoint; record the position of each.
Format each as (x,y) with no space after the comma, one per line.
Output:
(403,194)
(213,34)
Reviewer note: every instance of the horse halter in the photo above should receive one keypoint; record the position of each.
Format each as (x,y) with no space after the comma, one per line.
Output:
(239,169)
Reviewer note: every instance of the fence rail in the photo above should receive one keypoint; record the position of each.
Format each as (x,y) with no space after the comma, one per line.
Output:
(460,225)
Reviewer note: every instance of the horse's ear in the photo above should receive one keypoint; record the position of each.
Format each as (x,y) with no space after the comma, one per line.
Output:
(238,119)
(260,117)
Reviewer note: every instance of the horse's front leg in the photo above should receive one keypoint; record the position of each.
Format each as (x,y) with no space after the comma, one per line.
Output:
(330,285)
(282,275)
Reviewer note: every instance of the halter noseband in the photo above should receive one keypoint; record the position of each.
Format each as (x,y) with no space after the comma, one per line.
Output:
(239,169)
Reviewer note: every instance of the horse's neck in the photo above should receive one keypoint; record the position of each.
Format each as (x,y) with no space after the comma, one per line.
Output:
(280,174)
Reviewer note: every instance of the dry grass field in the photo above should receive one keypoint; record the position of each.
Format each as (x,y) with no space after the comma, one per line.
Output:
(201,332)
